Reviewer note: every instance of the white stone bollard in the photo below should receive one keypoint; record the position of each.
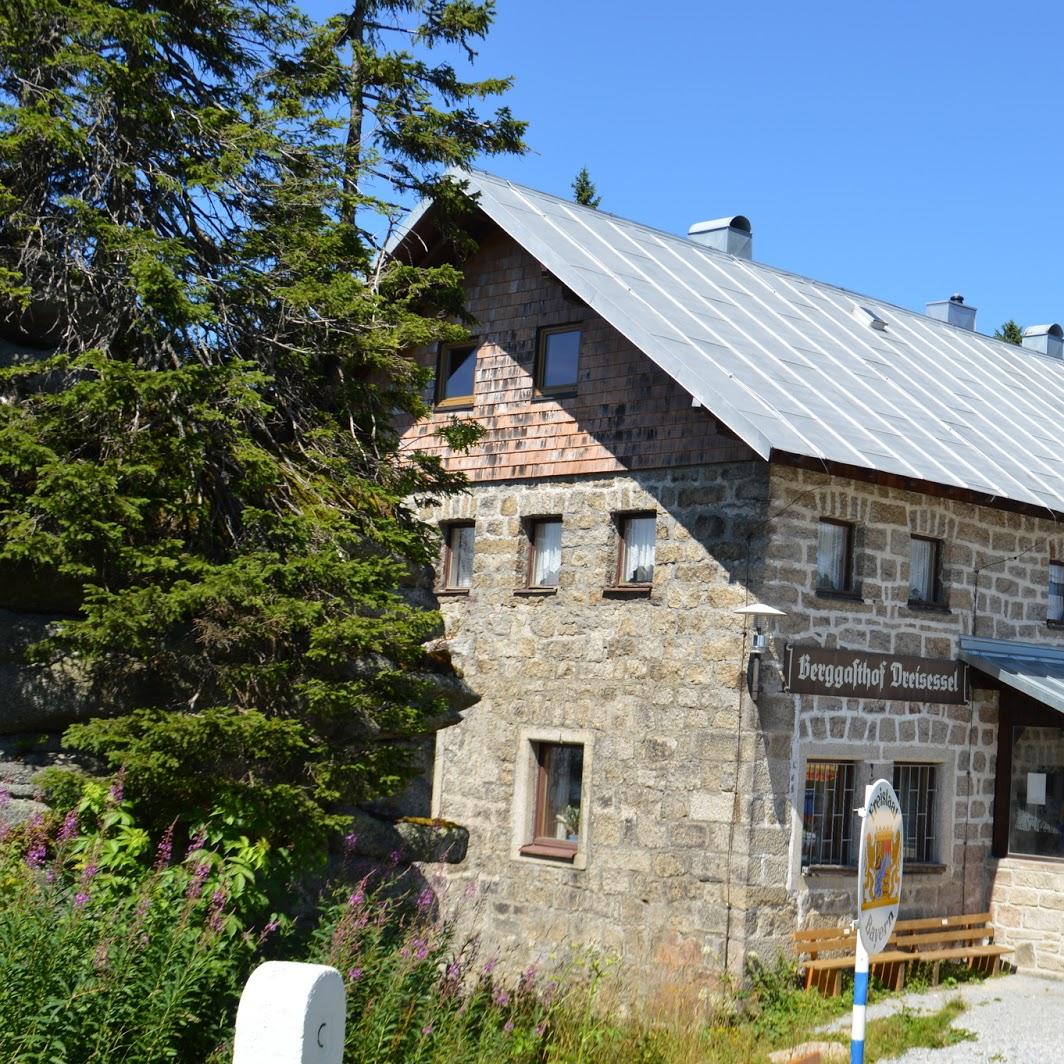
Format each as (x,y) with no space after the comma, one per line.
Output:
(291,1014)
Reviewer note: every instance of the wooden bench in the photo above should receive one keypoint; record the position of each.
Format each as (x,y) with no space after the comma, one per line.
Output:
(825,953)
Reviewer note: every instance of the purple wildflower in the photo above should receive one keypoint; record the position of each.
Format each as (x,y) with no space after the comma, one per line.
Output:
(81,899)
(195,843)
(454,971)
(270,928)
(35,822)
(508,1025)
(528,978)
(358,896)
(354,974)
(421,949)
(165,849)
(426,1030)
(489,966)
(394,858)
(195,885)
(118,787)
(36,854)
(69,827)
(425,899)
(88,873)
(49,876)
(501,998)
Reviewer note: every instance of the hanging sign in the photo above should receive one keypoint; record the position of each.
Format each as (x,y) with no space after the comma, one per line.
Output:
(813,670)
(879,866)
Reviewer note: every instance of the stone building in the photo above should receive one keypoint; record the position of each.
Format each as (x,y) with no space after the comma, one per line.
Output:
(673,432)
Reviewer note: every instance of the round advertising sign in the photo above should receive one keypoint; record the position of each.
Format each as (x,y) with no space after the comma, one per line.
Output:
(879,866)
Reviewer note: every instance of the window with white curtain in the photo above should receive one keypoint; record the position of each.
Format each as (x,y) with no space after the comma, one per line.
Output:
(458,557)
(834,556)
(638,534)
(1055,608)
(924,581)
(546,560)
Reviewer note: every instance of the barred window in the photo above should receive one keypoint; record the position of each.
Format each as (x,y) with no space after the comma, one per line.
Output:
(827,813)
(917,788)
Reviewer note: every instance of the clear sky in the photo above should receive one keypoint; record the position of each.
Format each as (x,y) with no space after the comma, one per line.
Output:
(905,150)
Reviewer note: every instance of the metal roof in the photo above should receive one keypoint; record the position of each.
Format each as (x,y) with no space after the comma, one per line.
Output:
(1034,670)
(783,362)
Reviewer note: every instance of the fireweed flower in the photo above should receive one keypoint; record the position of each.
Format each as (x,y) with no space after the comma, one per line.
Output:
(195,885)
(501,998)
(88,873)
(528,979)
(69,827)
(489,966)
(118,788)
(425,899)
(454,971)
(421,948)
(81,899)
(358,896)
(426,1030)
(36,854)
(354,974)
(508,1025)
(165,849)
(195,843)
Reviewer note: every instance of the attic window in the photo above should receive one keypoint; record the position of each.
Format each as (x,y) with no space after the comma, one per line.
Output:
(869,317)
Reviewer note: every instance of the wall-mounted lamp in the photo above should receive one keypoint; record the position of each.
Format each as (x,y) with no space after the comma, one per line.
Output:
(758,642)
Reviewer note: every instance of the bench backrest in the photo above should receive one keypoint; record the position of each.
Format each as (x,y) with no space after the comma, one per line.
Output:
(969,928)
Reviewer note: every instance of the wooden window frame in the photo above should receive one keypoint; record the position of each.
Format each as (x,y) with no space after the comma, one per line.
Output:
(849,588)
(448,402)
(531,526)
(540,368)
(622,520)
(938,587)
(543,844)
(445,586)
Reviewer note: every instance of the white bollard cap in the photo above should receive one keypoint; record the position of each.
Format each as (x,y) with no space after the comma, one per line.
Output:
(291,1014)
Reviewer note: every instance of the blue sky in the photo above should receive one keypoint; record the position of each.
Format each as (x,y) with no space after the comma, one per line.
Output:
(905,150)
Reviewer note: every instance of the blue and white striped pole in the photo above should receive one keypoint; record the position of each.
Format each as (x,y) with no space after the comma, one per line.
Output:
(860,1000)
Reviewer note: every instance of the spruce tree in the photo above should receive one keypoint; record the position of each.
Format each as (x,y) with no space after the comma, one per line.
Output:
(584,191)
(1010,332)
(196,435)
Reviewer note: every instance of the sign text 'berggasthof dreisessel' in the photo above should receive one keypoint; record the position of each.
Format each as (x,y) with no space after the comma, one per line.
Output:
(858,674)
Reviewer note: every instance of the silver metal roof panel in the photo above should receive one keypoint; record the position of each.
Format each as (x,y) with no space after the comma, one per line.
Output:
(1031,669)
(782,362)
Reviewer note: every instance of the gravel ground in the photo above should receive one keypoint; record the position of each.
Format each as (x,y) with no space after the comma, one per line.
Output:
(1018,1019)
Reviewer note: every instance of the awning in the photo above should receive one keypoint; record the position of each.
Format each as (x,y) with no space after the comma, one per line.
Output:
(1033,670)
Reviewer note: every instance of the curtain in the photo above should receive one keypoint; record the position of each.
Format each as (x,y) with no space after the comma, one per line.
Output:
(461,567)
(548,548)
(832,563)
(639,535)
(922,570)
(1056,592)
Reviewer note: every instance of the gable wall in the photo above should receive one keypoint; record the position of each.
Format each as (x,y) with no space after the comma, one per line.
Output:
(627,413)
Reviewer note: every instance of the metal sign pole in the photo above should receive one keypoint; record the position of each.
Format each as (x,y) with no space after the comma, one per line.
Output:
(860,1000)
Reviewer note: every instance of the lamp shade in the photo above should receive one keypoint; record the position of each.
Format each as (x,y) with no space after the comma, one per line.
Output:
(759,609)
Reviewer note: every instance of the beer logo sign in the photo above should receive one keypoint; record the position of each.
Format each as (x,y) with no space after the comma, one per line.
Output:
(879,866)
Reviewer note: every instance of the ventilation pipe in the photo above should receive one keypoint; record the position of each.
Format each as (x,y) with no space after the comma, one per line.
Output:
(1045,339)
(954,311)
(732,235)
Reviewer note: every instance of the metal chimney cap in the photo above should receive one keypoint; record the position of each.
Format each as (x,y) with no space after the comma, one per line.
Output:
(956,298)
(733,221)
(1053,330)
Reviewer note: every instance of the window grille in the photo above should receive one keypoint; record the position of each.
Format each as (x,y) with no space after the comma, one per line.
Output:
(916,788)
(827,813)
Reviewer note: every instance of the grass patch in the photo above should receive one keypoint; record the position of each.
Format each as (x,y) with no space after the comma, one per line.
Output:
(907,1029)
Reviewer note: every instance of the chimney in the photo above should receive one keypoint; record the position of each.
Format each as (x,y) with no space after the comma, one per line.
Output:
(1045,339)
(954,311)
(732,235)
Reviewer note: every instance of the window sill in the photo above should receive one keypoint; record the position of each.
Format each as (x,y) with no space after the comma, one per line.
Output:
(561,393)
(450,592)
(554,851)
(535,592)
(461,402)
(930,868)
(627,591)
(843,596)
(928,607)
(1059,625)
(829,870)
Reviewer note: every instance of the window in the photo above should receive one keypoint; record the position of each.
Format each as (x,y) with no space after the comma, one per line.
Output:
(925,581)
(557,822)
(458,557)
(834,556)
(545,552)
(635,563)
(917,788)
(557,358)
(827,813)
(1055,606)
(1036,792)
(454,381)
